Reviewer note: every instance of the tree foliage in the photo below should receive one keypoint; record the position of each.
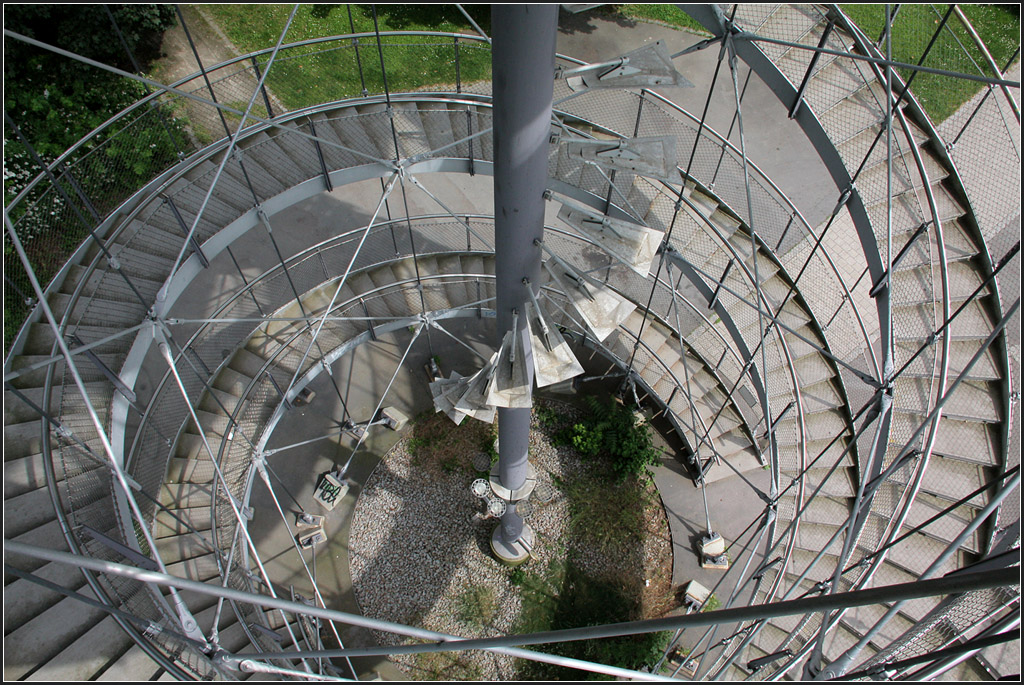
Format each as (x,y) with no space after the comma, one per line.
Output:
(56,100)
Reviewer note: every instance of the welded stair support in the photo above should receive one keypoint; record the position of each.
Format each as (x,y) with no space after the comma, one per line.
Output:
(523,63)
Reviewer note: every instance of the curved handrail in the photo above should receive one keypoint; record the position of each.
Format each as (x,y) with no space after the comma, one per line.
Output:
(59,162)
(781,196)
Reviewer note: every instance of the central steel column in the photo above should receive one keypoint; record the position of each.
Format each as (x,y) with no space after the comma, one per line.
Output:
(523,66)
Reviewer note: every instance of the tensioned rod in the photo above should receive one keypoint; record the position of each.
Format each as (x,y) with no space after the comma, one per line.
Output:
(458,219)
(734,72)
(971,647)
(1004,631)
(202,69)
(355,46)
(851,526)
(473,23)
(728,135)
(890,593)
(248,287)
(296,319)
(906,449)
(409,161)
(469,347)
(839,666)
(880,595)
(303,443)
(740,583)
(102,566)
(807,502)
(948,510)
(980,44)
(689,398)
(135,65)
(261,467)
(252,666)
(988,92)
(298,300)
(231,147)
(383,396)
(232,502)
(142,623)
(415,263)
(341,283)
(746,35)
(188,622)
(678,206)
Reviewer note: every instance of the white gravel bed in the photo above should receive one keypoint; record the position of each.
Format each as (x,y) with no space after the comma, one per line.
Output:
(420,549)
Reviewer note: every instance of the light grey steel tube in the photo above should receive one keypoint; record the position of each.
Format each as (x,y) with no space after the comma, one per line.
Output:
(523,66)
(505,644)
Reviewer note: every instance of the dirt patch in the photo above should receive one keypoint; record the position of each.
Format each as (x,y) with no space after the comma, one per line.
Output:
(232,86)
(178,60)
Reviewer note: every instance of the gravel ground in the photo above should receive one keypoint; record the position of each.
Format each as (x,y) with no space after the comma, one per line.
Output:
(420,546)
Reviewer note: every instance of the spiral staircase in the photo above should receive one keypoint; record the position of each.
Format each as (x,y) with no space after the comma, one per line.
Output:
(762,340)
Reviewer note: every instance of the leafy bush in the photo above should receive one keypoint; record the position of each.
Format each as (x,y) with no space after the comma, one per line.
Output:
(612,430)
(55,101)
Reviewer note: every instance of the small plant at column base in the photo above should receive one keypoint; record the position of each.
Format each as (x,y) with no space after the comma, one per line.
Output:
(517,576)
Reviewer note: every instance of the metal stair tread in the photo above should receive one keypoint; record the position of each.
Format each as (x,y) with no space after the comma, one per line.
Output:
(134,664)
(24,599)
(842,483)
(63,624)
(855,146)
(229,190)
(267,148)
(971,323)
(87,656)
(914,286)
(331,145)
(952,479)
(873,182)
(197,518)
(970,401)
(960,354)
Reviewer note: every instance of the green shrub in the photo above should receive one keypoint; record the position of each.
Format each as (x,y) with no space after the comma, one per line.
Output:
(611,430)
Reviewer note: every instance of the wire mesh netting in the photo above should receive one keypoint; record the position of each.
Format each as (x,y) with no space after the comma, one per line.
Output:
(772,334)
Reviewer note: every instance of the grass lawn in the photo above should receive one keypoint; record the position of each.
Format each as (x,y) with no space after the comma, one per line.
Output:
(941,96)
(314,74)
(670,15)
(319,74)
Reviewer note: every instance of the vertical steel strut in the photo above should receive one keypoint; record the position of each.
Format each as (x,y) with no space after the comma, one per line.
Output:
(523,65)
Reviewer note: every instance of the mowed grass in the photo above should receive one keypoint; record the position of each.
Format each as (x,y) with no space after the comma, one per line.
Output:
(320,73)
(667,14)
(332,71)
(954,51)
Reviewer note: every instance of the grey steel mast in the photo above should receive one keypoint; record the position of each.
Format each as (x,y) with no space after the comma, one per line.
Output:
(523,65)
